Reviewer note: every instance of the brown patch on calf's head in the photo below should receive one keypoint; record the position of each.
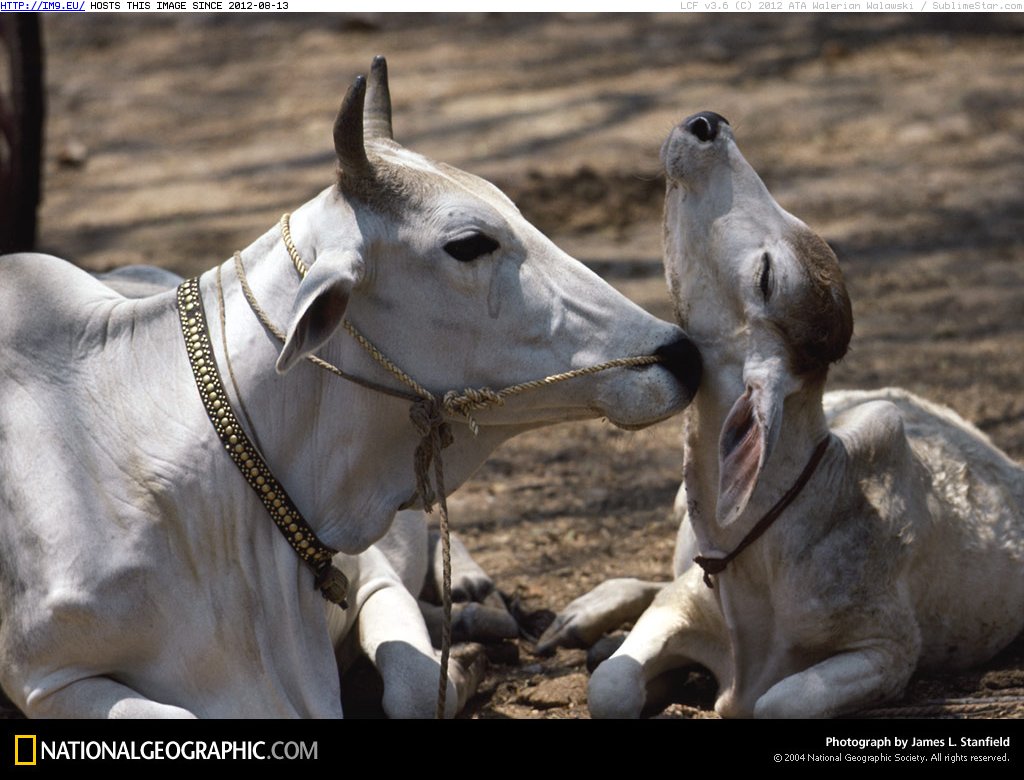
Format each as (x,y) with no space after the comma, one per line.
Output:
(819,325)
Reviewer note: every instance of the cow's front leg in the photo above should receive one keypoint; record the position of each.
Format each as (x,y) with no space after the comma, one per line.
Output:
(843,683)
(411,678)
(472,622)
(607,607)
(394,637)
(681,627)
(478,612)
(469,581)
(97,697)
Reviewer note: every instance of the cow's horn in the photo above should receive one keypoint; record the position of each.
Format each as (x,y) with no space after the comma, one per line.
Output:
(348,131)
(377,117)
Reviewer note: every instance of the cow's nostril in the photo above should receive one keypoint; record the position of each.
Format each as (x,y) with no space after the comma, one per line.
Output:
(705,125)
(682,359)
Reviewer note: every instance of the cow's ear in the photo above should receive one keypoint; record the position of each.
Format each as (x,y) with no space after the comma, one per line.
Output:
(320,305)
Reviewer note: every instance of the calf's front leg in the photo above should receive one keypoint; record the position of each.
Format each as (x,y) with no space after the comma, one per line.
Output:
(680,628)
(607,607)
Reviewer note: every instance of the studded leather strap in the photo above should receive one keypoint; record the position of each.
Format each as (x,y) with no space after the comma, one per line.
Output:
(328,579)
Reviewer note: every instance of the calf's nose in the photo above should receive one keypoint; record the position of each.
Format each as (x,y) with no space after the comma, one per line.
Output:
(682,359)
(705,125)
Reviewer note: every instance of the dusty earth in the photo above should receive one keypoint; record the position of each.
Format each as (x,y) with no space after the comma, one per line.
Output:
(176,139)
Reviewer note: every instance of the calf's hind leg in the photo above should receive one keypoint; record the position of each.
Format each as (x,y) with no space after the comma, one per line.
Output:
(843,683)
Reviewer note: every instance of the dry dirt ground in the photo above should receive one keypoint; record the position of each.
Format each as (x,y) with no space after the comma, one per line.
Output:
(176,139)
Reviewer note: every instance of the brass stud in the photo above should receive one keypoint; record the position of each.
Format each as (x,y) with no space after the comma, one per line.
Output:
(266,488)
(293,528)
(254,472)
(302,544)
(271,496)
(240,448)
(299,537)
(231,439)
(259,480)
(283,510)
(277,502)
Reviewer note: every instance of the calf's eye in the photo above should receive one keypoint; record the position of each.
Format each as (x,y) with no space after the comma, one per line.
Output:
(471,247)
(764,280)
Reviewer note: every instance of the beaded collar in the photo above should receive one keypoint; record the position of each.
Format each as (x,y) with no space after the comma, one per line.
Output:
(329,580)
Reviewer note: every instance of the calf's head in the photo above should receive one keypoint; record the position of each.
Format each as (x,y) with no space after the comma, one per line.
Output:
(760,293)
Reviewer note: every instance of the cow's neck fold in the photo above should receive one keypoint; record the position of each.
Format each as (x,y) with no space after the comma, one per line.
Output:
(326,441)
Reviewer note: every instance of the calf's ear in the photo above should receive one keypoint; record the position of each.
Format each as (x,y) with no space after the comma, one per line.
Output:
(320,304)
(748,435)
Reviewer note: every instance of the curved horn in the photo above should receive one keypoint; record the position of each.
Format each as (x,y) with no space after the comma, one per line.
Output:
(348,131)
(377,117)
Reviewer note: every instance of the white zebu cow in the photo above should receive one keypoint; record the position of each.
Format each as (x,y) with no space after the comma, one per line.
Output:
(139,574)
(903,550)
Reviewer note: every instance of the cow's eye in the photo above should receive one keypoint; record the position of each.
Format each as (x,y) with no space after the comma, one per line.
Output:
(471,247)
(764,280)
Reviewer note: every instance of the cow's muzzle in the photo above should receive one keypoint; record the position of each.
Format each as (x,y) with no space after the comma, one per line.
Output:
(681,358)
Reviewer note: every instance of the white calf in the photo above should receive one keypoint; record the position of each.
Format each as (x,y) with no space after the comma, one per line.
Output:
(139,573)
(903,550)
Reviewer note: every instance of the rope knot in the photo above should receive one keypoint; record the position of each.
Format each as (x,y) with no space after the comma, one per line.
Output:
(470,400)
(711,566)
(427,417)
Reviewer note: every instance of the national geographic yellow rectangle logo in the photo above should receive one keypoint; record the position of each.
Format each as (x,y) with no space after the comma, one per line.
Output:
(23,754)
